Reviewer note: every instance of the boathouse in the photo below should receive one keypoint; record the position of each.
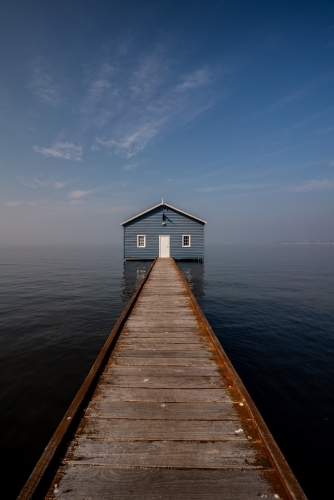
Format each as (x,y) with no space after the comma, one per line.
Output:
(164,231)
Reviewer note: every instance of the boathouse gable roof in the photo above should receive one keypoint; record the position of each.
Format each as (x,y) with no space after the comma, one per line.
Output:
(163,204)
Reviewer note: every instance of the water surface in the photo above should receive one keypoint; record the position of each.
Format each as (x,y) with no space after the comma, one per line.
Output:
(270,306)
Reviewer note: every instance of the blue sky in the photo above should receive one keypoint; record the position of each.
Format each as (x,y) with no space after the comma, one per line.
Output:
(225,109)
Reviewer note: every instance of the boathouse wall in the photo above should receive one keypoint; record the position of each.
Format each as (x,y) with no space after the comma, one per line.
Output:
(164,221)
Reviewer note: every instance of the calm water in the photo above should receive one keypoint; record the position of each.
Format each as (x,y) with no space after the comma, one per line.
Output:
(272,307)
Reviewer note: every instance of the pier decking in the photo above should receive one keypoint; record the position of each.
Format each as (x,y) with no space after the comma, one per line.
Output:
(169,417)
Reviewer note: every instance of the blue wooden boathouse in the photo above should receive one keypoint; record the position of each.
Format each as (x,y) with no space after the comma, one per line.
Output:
(164,231)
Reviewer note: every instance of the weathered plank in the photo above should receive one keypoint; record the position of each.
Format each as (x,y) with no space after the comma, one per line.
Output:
(188,454)
(164,352)
(163,322)
(162,371)
(105,483)
(106,393)
(183,336)
(163,382)
(162,344)
(161,330)
(160,362)
(166,430)
(165,338)
(165,411)
(159,346)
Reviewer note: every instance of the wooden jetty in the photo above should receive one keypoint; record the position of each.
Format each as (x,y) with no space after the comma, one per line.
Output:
(162,414)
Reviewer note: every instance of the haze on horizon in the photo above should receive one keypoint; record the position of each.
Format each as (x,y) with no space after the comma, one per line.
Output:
(224,109)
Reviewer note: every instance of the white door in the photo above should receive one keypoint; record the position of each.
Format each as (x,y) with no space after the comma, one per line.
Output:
(164,246)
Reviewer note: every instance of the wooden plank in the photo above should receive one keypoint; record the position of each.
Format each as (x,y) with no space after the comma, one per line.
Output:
(105,483)
(160,307)
(180,301)
(178,330)
(163,382)
(162,322)
(162,342)
(164,308)
(163,339)
(158,292)
(162,371)
(165,411)
(169,353)
(105,392)
(164,304)
(161,334)
(192,430)
(180,348)
(152,343)
(217,455)
(162,362)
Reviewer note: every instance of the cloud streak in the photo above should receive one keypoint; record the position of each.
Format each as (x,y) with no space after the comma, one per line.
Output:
(140,120)
(233,187)
(19,203)
(313,185)
(64,150)
(301,93)
(78,193)
(131,102)
(37,183)
(44,85)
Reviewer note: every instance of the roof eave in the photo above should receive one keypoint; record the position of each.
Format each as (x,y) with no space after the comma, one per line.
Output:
(164,205)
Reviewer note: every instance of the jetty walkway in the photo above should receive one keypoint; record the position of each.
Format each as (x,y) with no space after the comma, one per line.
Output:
(169,417)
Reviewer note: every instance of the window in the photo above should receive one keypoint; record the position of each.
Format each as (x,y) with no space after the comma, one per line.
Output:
(141,241)
(186,240)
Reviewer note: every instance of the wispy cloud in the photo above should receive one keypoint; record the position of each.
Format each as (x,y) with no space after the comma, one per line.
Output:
(312,185)
(130,166)
(19,203)
(95,109)
(38,182)
(281,103)
(130,102)
(140,120)
(46,85)
(194,80)
(78,193)
(65,150)
(233,187)
(300,93)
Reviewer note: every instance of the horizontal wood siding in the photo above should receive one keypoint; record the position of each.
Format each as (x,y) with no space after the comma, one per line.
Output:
(151,226)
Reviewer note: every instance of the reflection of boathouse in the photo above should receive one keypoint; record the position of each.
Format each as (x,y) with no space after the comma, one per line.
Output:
(135,272)
(164,231)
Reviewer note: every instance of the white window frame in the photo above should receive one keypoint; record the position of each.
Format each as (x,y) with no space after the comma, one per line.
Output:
(183,245)
(141,236)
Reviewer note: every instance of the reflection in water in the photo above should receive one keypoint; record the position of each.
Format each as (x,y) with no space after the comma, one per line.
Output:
(133,274)
(194,275)
(135,271)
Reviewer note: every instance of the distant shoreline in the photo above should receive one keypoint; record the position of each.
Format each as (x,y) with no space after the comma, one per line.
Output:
(308,243)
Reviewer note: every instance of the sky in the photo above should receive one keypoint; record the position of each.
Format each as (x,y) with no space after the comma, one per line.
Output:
(223,108)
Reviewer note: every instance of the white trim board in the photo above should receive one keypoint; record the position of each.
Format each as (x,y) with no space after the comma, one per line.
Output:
(163,204)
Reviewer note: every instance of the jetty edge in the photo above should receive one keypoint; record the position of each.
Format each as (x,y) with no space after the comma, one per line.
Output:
(162,413)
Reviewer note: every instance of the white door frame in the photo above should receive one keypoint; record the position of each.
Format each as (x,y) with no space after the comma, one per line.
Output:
(160,248)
